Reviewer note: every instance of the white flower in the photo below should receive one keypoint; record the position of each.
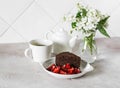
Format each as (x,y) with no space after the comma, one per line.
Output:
(80,25)
(84,20)
(69,17)
(87,20)
(89,26)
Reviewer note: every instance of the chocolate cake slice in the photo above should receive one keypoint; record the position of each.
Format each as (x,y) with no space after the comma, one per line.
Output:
(67,57)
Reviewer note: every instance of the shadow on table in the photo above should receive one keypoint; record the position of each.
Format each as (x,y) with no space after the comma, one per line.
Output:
(98,69)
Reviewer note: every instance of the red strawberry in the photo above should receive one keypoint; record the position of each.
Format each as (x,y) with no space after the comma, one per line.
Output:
(71,70)
(57,69)
(50,67)
(62,72)
(77,70)
(67,66)
(64,68)
(53,67)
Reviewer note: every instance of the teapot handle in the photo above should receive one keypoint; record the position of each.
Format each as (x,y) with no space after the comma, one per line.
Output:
(48,34)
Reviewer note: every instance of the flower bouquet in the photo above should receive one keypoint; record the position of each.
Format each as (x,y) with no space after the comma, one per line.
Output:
(88,21)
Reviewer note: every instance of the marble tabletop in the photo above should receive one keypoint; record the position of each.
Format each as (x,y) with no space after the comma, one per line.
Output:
(17,71)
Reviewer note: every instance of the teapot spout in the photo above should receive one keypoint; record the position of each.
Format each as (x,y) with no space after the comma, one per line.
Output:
(74,43)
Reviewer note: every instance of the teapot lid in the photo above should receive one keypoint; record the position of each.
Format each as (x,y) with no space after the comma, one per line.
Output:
(61,32)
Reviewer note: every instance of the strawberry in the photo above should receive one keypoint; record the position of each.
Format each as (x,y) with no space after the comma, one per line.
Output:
(71,70)
(64,68)
(77,70)
(67,66)
(50,67)
(53,67)
(57,69)
(62,72)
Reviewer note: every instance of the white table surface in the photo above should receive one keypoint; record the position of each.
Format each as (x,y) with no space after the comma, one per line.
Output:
(17,71)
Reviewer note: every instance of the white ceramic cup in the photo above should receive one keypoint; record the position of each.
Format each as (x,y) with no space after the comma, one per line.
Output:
(41,50)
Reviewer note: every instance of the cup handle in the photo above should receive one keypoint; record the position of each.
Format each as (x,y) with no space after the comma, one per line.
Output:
(26,53)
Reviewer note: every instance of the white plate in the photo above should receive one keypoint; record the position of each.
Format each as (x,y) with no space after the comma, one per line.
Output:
(85,68)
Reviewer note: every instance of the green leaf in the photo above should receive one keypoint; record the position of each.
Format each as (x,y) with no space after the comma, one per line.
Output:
(103,31)
(84,12)
(81,14)
(78,15)
(101,26)
(73,24)
(103,21)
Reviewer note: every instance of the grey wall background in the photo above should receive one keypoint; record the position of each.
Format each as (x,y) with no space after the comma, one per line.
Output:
(23,20)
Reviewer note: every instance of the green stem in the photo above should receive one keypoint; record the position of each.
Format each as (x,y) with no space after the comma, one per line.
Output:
(89,43)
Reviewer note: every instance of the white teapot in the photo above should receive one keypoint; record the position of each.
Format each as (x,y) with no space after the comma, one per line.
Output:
(63,41)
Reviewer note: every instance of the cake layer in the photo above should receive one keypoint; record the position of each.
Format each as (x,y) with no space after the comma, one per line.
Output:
(67,57)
